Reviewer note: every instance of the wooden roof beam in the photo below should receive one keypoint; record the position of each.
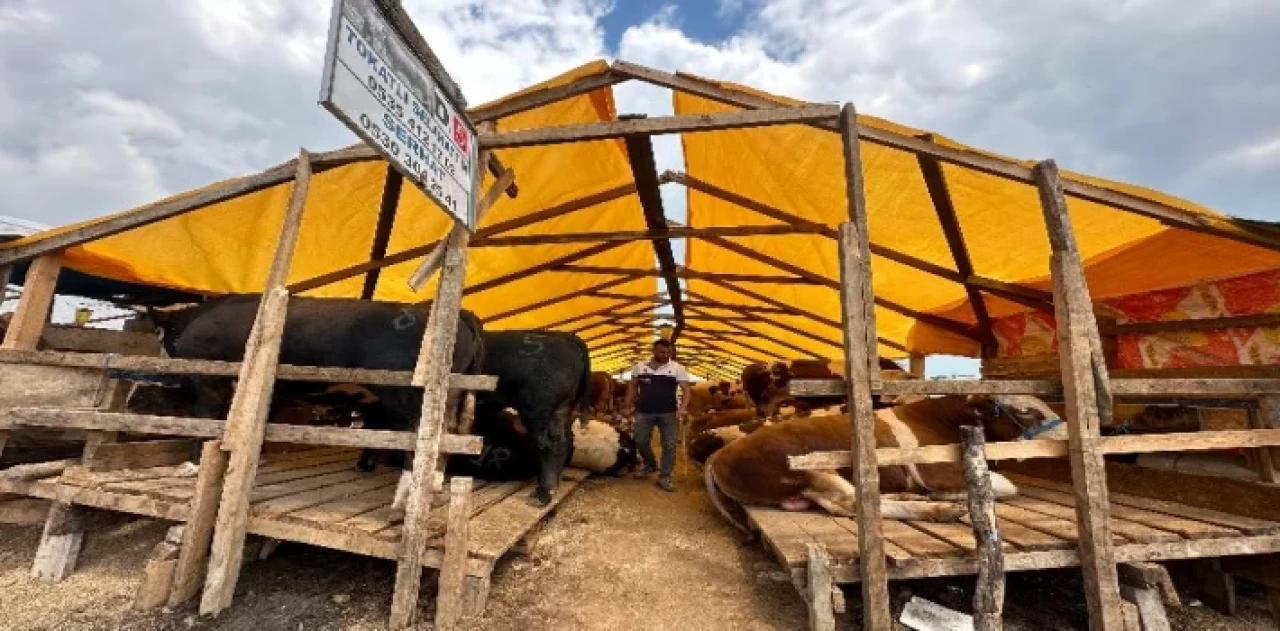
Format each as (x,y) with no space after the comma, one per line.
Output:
(645,171)
(935,182)
(656,125)
(742,329)
(1229,228)
(684,272)
(641,235)
(594,290)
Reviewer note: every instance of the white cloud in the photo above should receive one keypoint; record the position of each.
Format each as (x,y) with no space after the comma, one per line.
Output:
(1144,90)
(1259,156)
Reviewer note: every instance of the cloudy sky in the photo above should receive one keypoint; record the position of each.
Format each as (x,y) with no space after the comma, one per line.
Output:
(112,103)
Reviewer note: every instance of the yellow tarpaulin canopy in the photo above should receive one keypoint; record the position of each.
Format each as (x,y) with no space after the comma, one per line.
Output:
(228,246)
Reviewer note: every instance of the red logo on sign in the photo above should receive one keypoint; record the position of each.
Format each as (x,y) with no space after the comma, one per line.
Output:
(460,134)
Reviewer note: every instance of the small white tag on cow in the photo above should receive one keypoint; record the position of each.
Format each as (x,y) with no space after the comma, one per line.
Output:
(926,615)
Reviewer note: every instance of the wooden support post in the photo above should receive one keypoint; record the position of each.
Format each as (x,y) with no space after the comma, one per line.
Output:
(158,574)
(822,616)
(915,365)
(1088,402)
(1140,584)
(431,374)
(382,232)
(1267,416)
(60,542)
(988,596)
(193,553)
(862,367)
(453,570)
(247,421)
(33,307)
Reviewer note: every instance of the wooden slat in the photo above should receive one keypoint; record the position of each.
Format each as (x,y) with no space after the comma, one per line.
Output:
(289,503)
(917,542)
(896,555)
(656,125)
(1245,524)
(134,455)
(500,527)
(168,366)
(784,536)
(274,432)
(391,186)
(344,508)
(1188,528)
(453,568)
(958,535)
(1025,537)
(1127,387)
(1059,520)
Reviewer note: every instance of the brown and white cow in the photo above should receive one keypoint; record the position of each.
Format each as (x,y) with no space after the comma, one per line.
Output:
(706,396)
(768,385)
(600,399)
(754,469)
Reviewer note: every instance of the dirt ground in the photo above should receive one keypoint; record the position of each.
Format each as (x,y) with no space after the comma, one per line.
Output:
(618,554)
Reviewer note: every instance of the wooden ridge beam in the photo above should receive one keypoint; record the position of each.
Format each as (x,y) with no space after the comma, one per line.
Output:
(1000,167)
(1260,320)
(935,182)
(183,204)
(656,125)
(640,235)
(645,171)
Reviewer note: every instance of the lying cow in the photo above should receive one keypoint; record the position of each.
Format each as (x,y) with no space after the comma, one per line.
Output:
(768,385)
(510,453)
(754,469)
(340,332)
(708,441)
(543,376)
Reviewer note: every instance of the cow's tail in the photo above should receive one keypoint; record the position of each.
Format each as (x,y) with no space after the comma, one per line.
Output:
(584,397)
(728,508)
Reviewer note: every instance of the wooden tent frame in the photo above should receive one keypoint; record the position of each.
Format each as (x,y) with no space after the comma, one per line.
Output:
(1084,380)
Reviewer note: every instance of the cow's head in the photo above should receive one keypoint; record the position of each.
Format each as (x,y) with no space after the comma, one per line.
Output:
(1008,417)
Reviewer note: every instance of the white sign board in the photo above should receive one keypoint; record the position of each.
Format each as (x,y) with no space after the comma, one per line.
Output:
(375,84)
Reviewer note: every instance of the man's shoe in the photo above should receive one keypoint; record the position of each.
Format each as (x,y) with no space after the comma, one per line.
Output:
(665,484)
(643,472)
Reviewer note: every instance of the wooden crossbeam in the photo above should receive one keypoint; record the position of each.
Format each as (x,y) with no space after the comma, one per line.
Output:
(936,183)
(640,235)
(594,290)
(545,96)
(487,231)
(1200,324)
(604,311)
(542,267)
(1026,296)
(656,125)
(645,171)
(749,317)
(1226,228)
(685,272)
(716,344)
(621,316)
(743,329)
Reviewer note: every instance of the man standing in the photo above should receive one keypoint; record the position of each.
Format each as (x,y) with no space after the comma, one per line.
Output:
(656,381)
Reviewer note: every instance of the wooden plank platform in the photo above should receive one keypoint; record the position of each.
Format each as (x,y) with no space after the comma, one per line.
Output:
(314,496)
(1038,528)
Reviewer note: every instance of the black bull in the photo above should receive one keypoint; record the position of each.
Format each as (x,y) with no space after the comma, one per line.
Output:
(339,332)
(542,375)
